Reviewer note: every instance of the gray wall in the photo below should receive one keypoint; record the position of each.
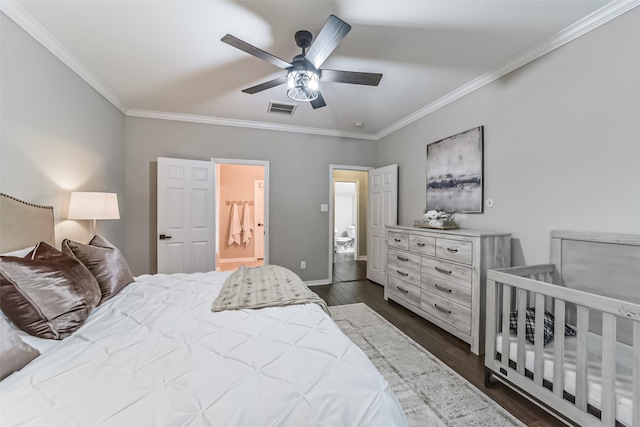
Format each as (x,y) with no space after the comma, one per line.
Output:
(58,134)
(561,150)
(562,143)
(299,183)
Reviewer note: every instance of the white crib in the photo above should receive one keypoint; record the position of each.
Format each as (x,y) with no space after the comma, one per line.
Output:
(593,285)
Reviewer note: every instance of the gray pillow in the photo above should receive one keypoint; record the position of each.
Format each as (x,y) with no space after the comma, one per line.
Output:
(14,353)
(104,261)
(48,293)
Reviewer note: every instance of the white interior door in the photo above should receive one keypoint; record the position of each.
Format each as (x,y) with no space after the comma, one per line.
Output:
(383,210)
(259,219)
(186,231)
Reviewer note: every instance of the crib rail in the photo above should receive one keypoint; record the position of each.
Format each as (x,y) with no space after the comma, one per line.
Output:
(516,289)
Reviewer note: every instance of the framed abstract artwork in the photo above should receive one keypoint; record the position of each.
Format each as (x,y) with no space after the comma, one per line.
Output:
(455,172)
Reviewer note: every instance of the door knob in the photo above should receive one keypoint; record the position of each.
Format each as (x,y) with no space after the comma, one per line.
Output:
(164,237)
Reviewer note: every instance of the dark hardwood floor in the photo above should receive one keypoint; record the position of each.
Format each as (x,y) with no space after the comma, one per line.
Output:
(449,349)
(347,269)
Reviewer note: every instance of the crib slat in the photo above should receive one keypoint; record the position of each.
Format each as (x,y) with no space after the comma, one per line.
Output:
(636,373)
(538,375)
(582,326)
(558,350)
(492,310)
(522,312)
(608,369)
(506,309)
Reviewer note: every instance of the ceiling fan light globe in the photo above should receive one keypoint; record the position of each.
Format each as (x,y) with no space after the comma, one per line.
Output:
(303,85)
(302,94)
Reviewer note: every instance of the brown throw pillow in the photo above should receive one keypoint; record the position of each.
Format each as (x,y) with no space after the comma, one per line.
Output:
(47,294)
(14,353)
(104,261)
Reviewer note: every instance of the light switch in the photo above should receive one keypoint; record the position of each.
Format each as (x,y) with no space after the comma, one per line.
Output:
(324,207)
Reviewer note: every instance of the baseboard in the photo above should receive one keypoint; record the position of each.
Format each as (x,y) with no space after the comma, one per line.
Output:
(362,258)
(228,260)
(317,282)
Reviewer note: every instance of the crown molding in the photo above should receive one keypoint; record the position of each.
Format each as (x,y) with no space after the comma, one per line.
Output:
(588,23)
(16,13)
(603,15)
(246,124)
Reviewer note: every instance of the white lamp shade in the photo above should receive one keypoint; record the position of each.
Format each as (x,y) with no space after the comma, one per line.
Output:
(83,205)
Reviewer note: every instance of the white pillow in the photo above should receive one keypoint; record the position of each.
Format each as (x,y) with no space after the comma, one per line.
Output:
(19,253)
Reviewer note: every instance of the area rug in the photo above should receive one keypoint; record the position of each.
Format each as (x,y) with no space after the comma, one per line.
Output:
(431,393)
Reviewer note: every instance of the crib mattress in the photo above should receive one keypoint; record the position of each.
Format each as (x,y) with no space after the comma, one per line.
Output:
(624,360)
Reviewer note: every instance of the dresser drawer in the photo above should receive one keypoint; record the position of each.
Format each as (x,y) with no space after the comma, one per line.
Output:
(450,290)
(404,290)
(398,240)
(422,244)
(454,250)
(405,266)
(434,270)
(447,311)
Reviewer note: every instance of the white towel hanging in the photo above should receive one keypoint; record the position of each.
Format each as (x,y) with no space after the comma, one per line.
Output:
(247,225)
(234,226)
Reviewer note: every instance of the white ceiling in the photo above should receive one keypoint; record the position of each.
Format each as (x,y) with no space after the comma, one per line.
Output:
(165,58)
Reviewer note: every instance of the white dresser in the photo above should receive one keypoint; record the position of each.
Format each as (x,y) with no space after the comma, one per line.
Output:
(441,275)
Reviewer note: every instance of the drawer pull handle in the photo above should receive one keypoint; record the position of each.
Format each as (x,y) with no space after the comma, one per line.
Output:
(441,288)
(453,251)
(422,245)
(402,290)
(402,274)
(403,258)
(444,310)
(442,270)
(398,240)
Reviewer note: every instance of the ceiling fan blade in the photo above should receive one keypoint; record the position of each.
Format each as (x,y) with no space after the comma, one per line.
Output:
(332,33)
(352,77)
(252,50)
(318,102)
(266,85)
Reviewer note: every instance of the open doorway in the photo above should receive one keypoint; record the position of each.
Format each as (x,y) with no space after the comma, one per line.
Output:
(348,223)
(241,210)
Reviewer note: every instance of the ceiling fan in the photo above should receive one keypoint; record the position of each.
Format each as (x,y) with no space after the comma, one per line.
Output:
(303,72)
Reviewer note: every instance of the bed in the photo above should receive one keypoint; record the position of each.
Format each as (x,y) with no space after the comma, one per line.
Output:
(154,353)
(567,334)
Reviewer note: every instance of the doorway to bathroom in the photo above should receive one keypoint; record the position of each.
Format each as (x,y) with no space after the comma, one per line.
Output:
(241,205)
(348,223)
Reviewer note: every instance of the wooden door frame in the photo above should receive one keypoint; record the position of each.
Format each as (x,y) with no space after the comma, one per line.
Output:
(332,168)
(265,164)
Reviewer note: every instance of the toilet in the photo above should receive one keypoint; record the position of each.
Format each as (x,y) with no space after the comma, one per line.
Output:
(344,243)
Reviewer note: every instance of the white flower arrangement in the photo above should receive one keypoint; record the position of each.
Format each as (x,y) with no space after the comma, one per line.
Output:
(438,218)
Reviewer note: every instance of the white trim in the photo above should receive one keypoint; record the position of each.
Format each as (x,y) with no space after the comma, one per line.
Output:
(601,16)
(588,23)
(246,124)
(13,10)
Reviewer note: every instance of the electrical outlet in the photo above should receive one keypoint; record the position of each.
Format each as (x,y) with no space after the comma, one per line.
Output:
(303,265)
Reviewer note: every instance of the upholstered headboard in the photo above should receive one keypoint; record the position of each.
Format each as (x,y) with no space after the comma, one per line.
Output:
(24,224)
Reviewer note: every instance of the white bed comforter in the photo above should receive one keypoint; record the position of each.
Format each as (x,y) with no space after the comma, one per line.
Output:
(156,355)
